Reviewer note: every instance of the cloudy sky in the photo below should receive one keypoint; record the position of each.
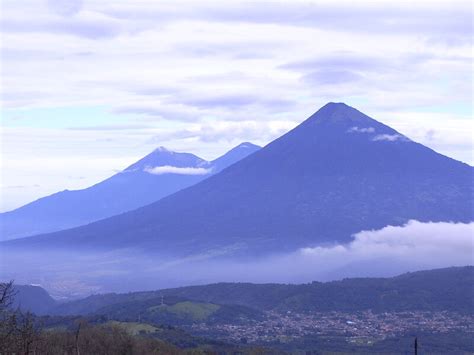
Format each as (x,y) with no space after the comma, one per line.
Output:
(90,86)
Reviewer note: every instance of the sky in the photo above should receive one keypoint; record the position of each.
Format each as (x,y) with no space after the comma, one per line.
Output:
(88,87)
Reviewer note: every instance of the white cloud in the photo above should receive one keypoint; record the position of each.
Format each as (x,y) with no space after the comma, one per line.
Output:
(65,7)
(445,240)
(361,129)
(385,252)
(415,245)
(389,137)
(168,169)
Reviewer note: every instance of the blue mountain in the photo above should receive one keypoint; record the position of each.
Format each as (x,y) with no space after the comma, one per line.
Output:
(337,173)
(153,177)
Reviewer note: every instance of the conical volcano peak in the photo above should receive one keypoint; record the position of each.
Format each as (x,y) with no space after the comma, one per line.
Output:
(339,118)
(335,123)
(338,112)
(332,106)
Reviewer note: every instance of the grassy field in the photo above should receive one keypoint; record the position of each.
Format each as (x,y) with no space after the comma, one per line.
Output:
(188,310)
(134,328)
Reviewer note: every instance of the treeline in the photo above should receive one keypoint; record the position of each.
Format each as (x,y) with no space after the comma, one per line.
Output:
(22,333)
(88,339)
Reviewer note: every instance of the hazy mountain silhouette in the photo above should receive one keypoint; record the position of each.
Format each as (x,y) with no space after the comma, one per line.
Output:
(153,177)
(32,298)
(337,173)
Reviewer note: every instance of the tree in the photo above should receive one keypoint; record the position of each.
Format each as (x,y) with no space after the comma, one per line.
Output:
(8,321)
(27,332)
(7,295)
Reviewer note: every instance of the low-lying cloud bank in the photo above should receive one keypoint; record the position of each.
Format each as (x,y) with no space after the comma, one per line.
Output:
(386,252)
(414,245)
(168,169)
(378,253)
(415,239)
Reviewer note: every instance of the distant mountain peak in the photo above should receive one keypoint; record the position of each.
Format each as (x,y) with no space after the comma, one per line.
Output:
(235,154)
(162,149)
(336,105)
(247,145)
(162,156)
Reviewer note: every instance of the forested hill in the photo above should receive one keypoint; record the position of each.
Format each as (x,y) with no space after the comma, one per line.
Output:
(448,289)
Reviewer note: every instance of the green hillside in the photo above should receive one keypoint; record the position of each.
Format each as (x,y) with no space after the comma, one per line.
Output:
(449,289)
